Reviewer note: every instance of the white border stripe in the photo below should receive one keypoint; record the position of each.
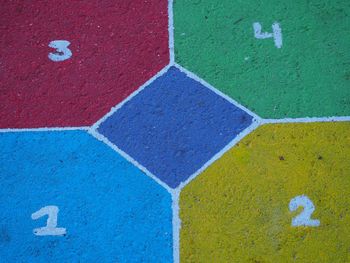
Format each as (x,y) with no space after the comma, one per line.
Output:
(206,84)
(46,129)
(171,31)
(255,124)
(176,226)
(118,106)
(102,138)
(307,120)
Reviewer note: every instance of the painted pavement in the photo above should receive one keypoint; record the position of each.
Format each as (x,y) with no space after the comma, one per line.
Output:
(185,131)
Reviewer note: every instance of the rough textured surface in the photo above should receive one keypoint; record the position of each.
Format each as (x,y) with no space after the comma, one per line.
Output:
(116,46)
(308,76)
(66,63)
(174,126)
(111,210)
(237,210)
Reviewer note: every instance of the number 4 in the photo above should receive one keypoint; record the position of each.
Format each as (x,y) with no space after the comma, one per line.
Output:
(51,228)
(276,35)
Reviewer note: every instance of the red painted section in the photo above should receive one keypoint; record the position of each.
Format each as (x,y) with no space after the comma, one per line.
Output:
(116,46)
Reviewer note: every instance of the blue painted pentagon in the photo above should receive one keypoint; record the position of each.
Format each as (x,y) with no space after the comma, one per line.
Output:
(174,126)
(110,210)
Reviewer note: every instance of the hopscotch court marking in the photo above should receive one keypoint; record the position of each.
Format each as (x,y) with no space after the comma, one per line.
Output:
(257,121)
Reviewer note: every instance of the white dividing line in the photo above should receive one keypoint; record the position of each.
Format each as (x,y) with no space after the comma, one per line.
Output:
(255,124)
(176,225)
(46,129)
(118,106)
(307,120)
(203,82)
(171,32)
(102,138)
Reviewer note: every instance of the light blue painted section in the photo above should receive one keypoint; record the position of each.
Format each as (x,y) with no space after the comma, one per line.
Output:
(111,211)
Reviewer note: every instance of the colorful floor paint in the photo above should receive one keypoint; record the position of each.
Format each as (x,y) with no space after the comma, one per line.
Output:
(308,76)
(238,209)
(115,46)
(112,151)
(99,195)
(174,126)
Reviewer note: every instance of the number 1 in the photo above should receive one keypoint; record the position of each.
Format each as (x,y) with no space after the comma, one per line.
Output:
(51,228)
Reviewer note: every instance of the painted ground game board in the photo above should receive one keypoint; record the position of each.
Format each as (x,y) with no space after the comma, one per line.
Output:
(175,131)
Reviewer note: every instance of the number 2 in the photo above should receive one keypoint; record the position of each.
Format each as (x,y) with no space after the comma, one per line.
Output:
(62,51)
(51,228)
(304,218)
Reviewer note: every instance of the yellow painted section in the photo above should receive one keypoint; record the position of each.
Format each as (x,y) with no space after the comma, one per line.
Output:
(237,210)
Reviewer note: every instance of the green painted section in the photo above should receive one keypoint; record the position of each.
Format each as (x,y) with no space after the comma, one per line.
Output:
(308,76)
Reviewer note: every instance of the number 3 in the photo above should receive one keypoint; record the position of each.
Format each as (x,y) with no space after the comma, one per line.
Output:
(304,218)
(62,51)
(51,228)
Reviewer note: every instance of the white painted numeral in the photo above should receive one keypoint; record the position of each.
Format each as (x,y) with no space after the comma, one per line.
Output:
(62,51)
(276,33)
(304,218)
(51,228)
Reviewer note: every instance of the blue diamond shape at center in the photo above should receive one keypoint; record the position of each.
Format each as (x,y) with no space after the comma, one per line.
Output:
(174,126)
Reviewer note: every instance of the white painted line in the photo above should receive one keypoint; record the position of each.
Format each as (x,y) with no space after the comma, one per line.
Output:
(203,82)
(306,120)
(46,129)
(176,226)
(104,139)
(171,32)
(255,124)
(118,106)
